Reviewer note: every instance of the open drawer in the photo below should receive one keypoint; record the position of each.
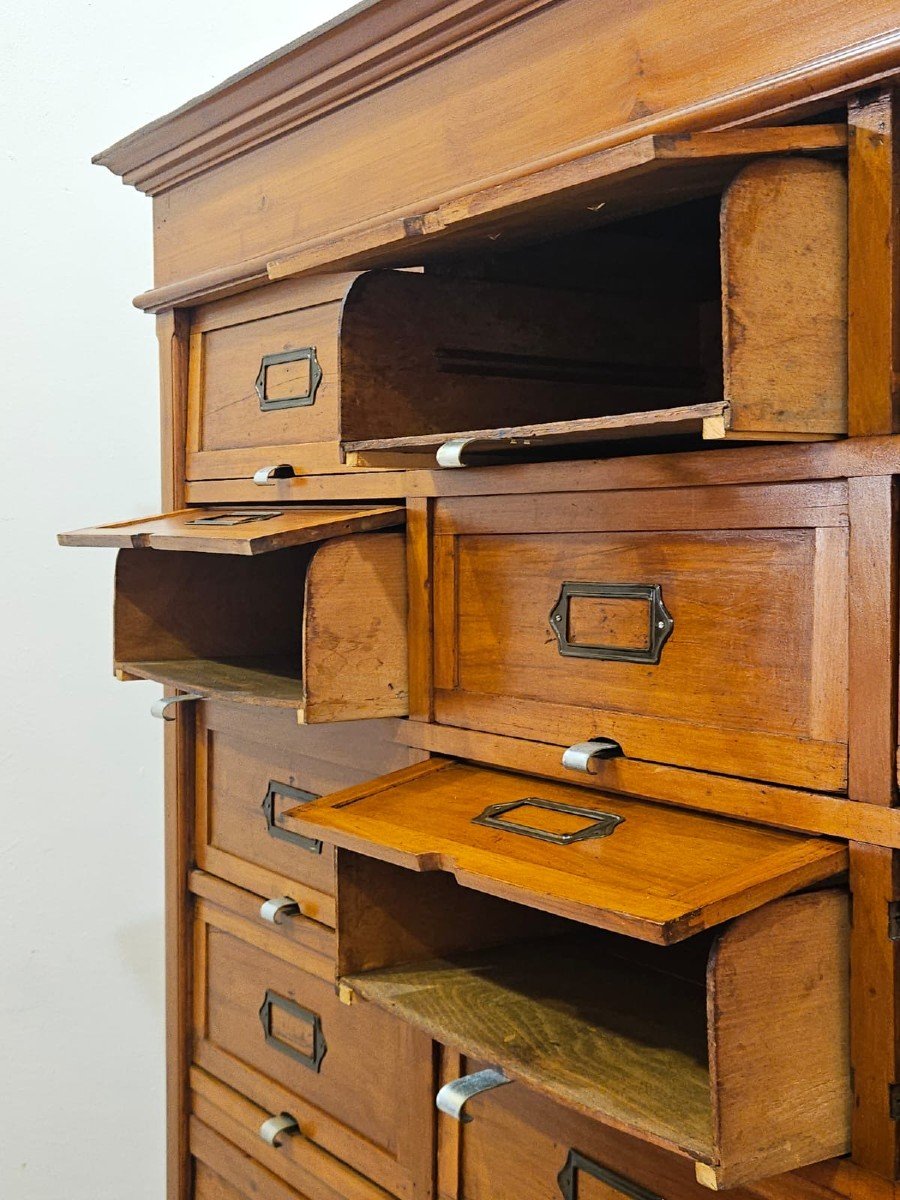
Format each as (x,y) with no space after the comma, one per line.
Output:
(655,969)
(724,318)
(301,608)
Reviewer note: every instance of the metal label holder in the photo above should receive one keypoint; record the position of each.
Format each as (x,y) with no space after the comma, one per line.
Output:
(311,1061)
(602,824)
(302,399)
(313,845)
(659,621)
(577,1164)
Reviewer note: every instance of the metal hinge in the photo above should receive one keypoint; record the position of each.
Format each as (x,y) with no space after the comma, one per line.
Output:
(894,920)
(894,1101)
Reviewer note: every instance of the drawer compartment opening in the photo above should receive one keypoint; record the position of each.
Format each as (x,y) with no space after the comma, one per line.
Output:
(320,630)
(730,1048)
(301,607)
(718,319)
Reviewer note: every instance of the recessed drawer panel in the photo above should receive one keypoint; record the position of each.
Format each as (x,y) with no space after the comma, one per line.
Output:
(263,385)
(704,628)
(269,1023)
(253,764)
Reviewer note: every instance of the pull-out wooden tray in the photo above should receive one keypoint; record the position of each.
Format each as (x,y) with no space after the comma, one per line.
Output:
(236,530)
(656,873)
(301,608)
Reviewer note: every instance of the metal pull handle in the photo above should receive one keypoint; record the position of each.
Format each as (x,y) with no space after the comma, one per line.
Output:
(577,1164)
(450,454)
(650,632)
(276,789)
(267,475)
(286,393)
(452,1097)
(599,824)
(280,906)
(160,708)
(271,1130)
(309,1046)
(584,756)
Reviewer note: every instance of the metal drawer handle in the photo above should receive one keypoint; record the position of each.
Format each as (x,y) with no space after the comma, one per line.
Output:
(269,474)
(313,1060)
(584,756)
(160,708)
(450,454)
(600,824)
(313,845)
(659,624)
(280,906)
(271,1130)
(577,1163)
(300,399)
(452,1097)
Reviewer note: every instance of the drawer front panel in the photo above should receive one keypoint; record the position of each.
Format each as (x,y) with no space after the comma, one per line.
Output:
(264,377)
(708,647)
(222,1172)
(233,1127)
(356,1079)
(250,768)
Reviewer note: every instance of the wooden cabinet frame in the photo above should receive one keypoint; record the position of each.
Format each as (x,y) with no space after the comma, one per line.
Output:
(868,817)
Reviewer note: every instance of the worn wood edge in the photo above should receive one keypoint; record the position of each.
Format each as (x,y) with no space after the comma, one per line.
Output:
(765,804)
(692,414)
(484,204)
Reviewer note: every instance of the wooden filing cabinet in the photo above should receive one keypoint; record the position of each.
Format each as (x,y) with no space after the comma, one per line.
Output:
(525,603)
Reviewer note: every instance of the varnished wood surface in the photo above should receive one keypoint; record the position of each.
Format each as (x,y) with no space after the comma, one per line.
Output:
(369,1054)
(239,753)
(661,875)
(316,1174)
(289,527)
(752,680)
(787,808)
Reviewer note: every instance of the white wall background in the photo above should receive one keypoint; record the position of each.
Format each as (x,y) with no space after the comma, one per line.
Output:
(81,965)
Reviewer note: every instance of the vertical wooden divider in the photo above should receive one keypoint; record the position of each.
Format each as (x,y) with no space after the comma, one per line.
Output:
(172,330)
(419,517)
(873,359)
(874,278)
(874,979)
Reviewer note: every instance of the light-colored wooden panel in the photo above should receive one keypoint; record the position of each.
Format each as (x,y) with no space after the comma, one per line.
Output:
(250,530)
(354,630)
(784,297)
(787,996)
(661,874)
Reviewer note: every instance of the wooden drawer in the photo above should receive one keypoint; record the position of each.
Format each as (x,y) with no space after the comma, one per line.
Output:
(285,376)
(700,627)
(251,764)
(300,608)
(263,383)
(660,970)
(727,320)
(268,1022)
(226,1142)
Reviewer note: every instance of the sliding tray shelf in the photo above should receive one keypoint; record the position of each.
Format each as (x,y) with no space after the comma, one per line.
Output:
(301,608)
(631,866)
